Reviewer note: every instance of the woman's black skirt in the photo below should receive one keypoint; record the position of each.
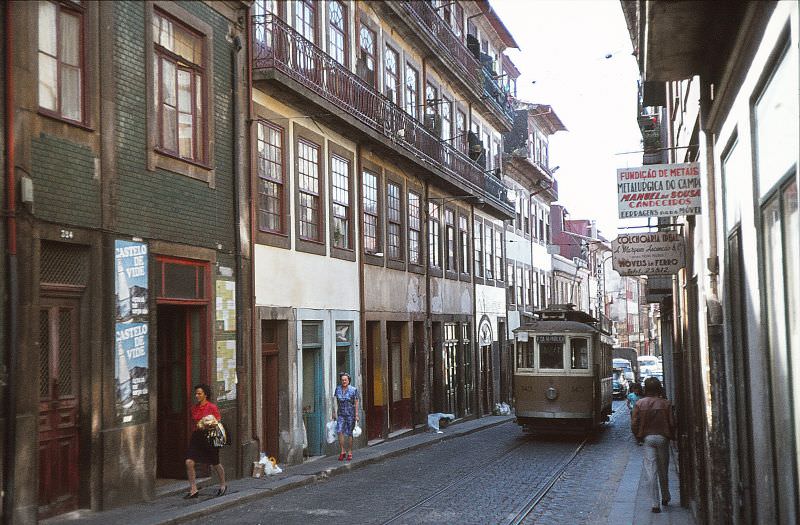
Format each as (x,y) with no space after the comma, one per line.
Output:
(200,451)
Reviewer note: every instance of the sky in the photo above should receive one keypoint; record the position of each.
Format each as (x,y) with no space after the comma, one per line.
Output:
(563,52)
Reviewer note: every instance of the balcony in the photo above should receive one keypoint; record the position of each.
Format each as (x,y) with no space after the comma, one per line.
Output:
(449,48)
(281,54)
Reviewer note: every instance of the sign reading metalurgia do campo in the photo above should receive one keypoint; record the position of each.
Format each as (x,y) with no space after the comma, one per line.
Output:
(659,190)
(657,253)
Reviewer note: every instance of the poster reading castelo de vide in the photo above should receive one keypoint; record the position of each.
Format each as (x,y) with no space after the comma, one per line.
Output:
(659,190)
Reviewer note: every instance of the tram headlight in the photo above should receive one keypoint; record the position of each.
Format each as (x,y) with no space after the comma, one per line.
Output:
(551,393)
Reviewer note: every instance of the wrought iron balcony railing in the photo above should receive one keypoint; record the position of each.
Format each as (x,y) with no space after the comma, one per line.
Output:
(453,49)
(276,46)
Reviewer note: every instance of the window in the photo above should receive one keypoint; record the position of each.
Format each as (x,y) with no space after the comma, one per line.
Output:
(412,88)
(308,187)
(450,240)
(498,255)
(340,183)
(528,288)
(487,144)
(414,229)
(181,279)
(447,119)
(391,74)
(525,352)
(477,234)
(526,216)
(365,68)
(61,60)
(535,289)
(337,31)
(520,283)
(394,219)
(179,89)
(434,257)
(370,192)
(518,220)
(540,213)
(344,343)
(458,20)
(463,230)
(461,130)
(431,101)
(510,283)
(305,19)
(488,248)
(579,350)
(270,178)
(551,351)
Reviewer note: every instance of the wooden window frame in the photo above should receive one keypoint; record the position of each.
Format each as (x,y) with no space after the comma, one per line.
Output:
(204,170)
(397,76)
(348,254)
(345,33)
(450,263)
(282,229)
(366,23)
(315,29)
(520,287)
(419,266)
(304,244)
(399,262)
(80,12)
(479,261)
(377,172)
(464,252)
(511,298)
(277,240)
(499,270)
(411,98)
(434,237)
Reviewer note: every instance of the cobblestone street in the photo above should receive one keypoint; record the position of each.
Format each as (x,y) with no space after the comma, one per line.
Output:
(485,477)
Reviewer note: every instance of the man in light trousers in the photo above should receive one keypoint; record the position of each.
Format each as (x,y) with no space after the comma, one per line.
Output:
(653,422)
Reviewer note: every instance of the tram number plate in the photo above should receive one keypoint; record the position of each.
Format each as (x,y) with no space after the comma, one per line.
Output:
(549,338)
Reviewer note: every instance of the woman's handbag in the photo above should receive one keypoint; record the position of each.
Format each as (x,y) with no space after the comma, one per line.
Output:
(356,431)
(217,436)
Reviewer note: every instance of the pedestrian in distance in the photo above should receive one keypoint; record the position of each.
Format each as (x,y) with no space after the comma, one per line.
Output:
(653,422)
(633,396)
(345,414)
(200,450)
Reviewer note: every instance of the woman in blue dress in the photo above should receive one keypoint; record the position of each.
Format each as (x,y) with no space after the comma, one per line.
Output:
(347,409)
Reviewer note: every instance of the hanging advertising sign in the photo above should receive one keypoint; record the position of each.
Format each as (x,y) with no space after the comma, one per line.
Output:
(659,190)
(657,253)
(131,332)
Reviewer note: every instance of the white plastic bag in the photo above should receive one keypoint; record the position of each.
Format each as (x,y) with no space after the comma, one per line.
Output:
(356,431)
(330,432)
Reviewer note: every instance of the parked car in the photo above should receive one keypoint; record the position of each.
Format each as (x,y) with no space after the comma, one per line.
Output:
(625,366)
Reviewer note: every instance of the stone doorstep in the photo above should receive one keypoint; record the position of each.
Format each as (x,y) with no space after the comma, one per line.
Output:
(247,489)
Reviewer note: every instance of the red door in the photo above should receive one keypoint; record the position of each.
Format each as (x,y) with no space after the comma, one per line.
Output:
(58,406)
(269,380)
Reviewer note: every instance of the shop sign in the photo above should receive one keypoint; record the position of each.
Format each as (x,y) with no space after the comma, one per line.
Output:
(656,253)
(544,339)
(659,190)
(131,332)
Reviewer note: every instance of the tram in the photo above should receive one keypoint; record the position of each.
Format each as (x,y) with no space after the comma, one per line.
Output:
(562,371)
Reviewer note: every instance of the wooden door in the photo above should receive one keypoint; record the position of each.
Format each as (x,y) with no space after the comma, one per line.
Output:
(269,380)
(312,400)
(373,393)
(173,392)
(58,406)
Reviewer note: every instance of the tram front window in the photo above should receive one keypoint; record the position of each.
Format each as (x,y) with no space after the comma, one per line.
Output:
(525,354)
(580,354)
(551,355)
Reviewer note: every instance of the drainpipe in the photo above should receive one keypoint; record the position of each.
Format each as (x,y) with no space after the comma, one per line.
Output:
(362,322)
(10,397)
(237,46)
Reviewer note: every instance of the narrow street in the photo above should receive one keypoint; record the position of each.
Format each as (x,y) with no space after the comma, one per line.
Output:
(485,477)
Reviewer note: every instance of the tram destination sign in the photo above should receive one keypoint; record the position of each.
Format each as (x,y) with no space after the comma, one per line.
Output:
(659,190)
(656,253)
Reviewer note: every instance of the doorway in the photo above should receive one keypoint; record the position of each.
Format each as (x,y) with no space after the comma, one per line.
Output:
(181,364)
(313,405)
(373,386)
(270,331)
(399,377)
(59,380)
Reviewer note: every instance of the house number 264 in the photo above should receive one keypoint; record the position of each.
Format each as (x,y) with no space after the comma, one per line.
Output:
(67,234)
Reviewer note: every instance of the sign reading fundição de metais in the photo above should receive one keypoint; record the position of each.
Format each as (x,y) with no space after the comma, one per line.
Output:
(657,253)
(659,190)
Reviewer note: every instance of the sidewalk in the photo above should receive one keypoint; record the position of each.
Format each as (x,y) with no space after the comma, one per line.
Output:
(632,504)
(172,508)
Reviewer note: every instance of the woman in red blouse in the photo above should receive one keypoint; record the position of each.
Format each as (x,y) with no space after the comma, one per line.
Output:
(199,449)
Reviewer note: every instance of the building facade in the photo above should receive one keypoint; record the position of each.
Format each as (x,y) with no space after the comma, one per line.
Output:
(727,99)
(125,162)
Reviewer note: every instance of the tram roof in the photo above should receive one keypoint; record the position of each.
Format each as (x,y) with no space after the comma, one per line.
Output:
(547,325)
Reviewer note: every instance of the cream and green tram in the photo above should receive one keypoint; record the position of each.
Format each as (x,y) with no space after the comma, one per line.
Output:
(562,371)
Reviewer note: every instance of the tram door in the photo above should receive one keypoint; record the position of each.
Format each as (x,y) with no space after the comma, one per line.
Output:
(58,406)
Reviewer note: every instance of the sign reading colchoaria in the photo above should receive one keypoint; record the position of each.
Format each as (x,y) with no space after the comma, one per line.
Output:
(659,190)
(658,253)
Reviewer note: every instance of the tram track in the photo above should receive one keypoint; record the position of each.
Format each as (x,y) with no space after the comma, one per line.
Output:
(543,487)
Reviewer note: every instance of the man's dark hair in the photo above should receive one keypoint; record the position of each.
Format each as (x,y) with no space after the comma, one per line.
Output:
(652,387)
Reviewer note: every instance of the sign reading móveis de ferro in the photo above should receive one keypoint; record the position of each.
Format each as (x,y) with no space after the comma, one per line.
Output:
(659,190)
(655,253)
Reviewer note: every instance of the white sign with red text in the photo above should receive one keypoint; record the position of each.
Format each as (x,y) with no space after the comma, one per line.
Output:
(659,190)
(655,253)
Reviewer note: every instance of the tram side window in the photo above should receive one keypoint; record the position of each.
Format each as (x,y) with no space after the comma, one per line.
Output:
(525,354)
(580,353)
(551,355)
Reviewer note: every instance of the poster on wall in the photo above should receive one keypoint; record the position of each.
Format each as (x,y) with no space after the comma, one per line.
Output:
(659,190)
(131,332)
(654,253)
(226,340)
